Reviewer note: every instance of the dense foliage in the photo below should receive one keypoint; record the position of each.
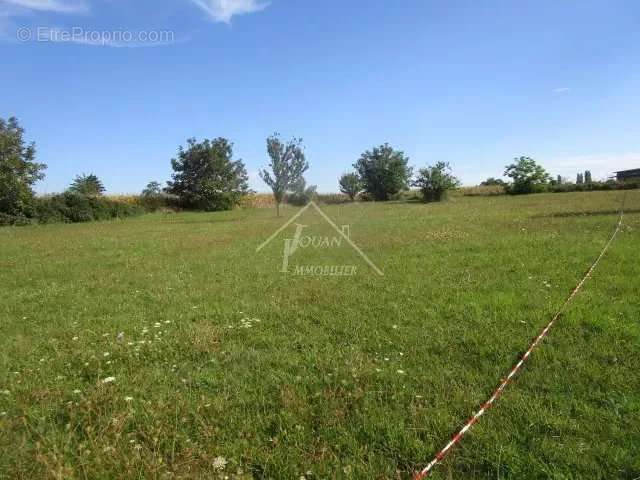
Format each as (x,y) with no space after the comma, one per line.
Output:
(206,177)
(350,185)
(301,193)
(491,182)
(89,185)
(527,176)
(71,207)
(18,173)
(383,171)
(434,182)
(288,164)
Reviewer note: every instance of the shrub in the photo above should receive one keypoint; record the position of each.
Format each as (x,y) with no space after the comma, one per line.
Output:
(206,176)
(350,185)
(7,220)
(301,194)
(70,207)
(434,182)
(527,176)
(593,186)
(383,172)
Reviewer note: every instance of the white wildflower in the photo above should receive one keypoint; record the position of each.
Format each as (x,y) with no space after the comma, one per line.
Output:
(106,354)
(109,380)
(77,391)
(400,372)
(219,463)
(75,339)
(128,399)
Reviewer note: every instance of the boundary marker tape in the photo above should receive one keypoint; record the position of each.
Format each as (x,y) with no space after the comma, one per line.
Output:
(426,471)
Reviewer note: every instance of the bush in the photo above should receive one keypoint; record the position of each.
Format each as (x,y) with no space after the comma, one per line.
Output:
(350,185)
(434,182)
(593,186)
(301,194)
(527,176)
(71,207)
(383,172)
(7,220)
(206,177)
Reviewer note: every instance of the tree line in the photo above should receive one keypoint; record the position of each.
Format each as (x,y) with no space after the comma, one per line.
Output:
(206,176)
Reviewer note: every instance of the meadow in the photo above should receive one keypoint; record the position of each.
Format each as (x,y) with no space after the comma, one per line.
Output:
(165,346)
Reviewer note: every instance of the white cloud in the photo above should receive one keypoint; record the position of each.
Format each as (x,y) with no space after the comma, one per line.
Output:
(561,90)
(59,6)
(224,10)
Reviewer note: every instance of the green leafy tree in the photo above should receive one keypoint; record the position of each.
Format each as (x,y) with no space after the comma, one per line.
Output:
(87,185)
(383,171)
(18,170)
(434,182)
(587,177)
(152,189)
(490,182)
(350,185)
(527,176)
(301,193)
(288,164)
(206,177)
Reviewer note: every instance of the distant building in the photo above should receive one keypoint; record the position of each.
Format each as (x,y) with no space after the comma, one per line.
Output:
(626,175)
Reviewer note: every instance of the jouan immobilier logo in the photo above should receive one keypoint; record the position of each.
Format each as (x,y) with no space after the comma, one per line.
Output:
(304,238)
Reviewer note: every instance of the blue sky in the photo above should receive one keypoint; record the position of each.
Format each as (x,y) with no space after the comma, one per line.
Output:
(467,82)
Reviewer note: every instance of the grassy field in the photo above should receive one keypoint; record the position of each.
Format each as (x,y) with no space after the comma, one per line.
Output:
(166,347)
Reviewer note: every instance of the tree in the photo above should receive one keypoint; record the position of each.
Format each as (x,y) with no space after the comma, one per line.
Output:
(152,189)
(491,182)
(18,170)
(434,181)
(587,177)
(288,164)
(350,185)
(301,194)
(87,185)
(527,175)
(206,177)
(383,171)
(579,179)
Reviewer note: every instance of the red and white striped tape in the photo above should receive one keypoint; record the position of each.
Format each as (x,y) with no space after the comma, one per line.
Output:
(425,472)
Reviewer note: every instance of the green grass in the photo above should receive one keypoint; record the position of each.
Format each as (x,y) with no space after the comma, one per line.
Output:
(314,387)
